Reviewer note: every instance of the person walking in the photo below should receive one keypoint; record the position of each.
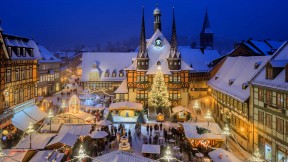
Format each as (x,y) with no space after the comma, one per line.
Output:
(151,129)
(147,129)
(161,126)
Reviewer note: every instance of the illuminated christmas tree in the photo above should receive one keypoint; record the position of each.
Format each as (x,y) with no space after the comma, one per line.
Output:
(159,98)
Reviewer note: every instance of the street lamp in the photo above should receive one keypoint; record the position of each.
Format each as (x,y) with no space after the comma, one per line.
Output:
(208,116)
(81,154)
(256,157)
(50,116)
(30,131)
(226,132)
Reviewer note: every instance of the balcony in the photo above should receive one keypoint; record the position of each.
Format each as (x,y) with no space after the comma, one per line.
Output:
(274,108)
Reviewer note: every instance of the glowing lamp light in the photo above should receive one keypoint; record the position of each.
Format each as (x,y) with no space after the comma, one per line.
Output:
(159,67)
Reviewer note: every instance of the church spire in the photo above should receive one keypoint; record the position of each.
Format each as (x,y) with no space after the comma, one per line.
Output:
(142,48)
(206,35)
(173,49)
(206,24)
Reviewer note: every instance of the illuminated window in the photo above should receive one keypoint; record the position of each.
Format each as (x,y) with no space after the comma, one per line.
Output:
(121,73)
(17,74)
(107,73)
(23,73)
(268,122)
(280,100)
(8,76)
(260,117)
(114,73)
(279,125)
(268,97)
(260,94)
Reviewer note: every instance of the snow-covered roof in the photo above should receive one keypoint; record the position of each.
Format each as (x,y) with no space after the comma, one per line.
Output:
(39,141)
(151,149)
(123,87)
(126,105)
(106,61)
(181,108)
(266,47)
(67,139)
(16,155)
(239,70)
(199,60)
(76,129)
(191,131)
(275,44)
(47,56)
(28,44)
(47,156)
(262,46)
(221,155)
(121,156)
(279,57)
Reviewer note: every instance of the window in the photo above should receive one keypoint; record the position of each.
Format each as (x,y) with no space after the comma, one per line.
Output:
(141,77)
(142,94)
(114,74)
(15,98)
(122,97)
(23,73)
(287,128)
(8,76)
(260,94)
(279,125)
(270,73)
(121,74)
(107,73)
(268,120)
(269,97)
(280,100)
(260,117)
(17,75)
(21,96)
(28,92)
(174,95)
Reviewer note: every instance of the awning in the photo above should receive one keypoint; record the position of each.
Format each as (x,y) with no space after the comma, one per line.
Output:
(126,105)
(21,120)
(151,149)
(35,113)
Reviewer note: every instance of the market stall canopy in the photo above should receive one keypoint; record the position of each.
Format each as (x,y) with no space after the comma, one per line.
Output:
(221,155)
(23,118)
(17,155)
(126,106)
(98,134)
(181,108)
(88,96)
(121,156)
(104,123)
(47,156)
(201,131)
(54,127)
(39,141)
(151,149)
(64,139)
(76,129)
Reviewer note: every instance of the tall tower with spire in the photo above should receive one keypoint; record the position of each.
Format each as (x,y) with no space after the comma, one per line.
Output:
(174,59)
(157,21)
(206,35)
(142,57)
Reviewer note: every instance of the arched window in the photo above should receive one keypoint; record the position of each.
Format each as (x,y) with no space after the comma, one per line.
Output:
(121,73)
(107,73)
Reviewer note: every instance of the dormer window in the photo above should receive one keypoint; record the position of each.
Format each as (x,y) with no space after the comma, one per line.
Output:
(107,73)
(114,73)
(256,65)
(179,63)
(231,81)
(245,85)
(121,73)
(158,63)
(216,77)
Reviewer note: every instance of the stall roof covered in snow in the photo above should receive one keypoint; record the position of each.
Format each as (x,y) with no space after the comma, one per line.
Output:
(126,105)
(151,149)
(191,131)
(221,155)
(200,60)
(39,141)
(67,139)
(47,156)
(102,62)
(17,155)
(123,87)
(181,108)
(235,72)
(76,129)
(121,156)
(31,49)
(47,56)
(279,59)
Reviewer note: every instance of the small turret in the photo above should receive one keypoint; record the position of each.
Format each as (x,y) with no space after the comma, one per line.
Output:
(157,21)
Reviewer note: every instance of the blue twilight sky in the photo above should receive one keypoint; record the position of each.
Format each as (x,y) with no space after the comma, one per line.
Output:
(60,24)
